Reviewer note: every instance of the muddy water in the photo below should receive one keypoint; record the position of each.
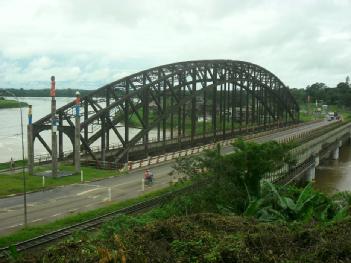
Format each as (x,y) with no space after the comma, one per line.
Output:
(335,175)
(10,129)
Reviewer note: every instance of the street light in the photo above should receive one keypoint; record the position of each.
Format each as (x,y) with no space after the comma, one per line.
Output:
(23,172)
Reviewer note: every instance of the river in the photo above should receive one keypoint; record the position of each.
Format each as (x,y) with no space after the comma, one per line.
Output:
(10,131)
(335,175)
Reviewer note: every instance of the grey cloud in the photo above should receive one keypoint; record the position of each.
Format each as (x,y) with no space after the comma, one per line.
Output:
(97,41)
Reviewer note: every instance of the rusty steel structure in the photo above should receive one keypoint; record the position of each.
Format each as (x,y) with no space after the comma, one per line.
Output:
(174,106)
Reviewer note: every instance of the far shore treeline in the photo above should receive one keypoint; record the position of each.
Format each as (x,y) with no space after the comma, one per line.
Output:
(45,92)
(322,94)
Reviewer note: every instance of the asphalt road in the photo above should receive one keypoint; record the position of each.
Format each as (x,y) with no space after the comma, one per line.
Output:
(50,205)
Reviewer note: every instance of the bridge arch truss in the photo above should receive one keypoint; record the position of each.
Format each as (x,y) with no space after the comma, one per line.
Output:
(176,105)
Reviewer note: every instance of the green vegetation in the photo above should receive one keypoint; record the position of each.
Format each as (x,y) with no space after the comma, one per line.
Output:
(5,104)
(231,218)
(310,112)
(340,95)
(46,92)
(12,183)
(7,165)
(314,96)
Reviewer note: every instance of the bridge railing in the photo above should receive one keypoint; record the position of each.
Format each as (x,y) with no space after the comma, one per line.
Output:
(173,155)
(45,158)
(305,153)
(169,156)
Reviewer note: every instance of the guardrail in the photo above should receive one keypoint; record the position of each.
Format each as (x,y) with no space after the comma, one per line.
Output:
(131,165)
(170,156)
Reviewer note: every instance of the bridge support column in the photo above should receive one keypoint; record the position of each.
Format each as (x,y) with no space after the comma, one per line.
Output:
(316,160)
(311,174)
(77,136)
(335,154)
(30,142)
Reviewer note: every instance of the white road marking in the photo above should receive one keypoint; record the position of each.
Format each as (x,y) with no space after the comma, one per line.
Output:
(14,226)
(6,210)
(56,215)
(95,185)
(36,220)
(87,191)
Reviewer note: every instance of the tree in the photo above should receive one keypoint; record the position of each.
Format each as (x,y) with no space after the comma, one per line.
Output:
(316,91)
(236,177)
(343,93)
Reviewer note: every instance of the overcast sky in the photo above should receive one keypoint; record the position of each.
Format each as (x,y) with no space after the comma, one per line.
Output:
(89,43)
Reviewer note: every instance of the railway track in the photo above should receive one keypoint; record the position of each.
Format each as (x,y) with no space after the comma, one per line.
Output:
(90,224)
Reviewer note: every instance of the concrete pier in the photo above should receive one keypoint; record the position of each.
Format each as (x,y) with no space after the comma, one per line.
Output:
(316,160)
(335,154)
(311,174)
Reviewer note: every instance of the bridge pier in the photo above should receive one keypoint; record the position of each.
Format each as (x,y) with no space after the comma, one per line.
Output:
(316,161)
(335,153)
(311,174)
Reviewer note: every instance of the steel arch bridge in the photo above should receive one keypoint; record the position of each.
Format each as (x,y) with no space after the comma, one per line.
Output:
(175,106)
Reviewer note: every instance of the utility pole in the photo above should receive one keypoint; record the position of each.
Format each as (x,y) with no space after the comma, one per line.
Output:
(30,141)
(77,135)
(54,128)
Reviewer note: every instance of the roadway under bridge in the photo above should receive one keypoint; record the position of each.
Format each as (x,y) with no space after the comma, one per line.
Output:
(181,104)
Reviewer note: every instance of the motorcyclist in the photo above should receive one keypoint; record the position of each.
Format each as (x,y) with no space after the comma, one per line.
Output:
(148,175)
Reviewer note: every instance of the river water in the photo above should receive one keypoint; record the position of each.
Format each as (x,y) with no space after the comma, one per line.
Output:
(10,129)
(335,175)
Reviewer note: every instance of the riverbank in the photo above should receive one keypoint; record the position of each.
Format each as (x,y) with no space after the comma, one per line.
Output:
(8,104)
(12,182)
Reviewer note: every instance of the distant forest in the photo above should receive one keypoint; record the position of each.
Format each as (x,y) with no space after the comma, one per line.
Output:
(45,92)
(340,95)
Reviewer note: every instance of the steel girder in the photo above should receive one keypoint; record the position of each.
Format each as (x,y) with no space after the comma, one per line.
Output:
(186,100)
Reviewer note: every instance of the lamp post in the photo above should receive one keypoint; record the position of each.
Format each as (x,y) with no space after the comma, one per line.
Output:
(77,135)
(23,166)
(54,127)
